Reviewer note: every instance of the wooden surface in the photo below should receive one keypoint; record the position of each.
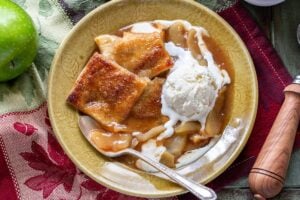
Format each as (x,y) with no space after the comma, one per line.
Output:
(280,23)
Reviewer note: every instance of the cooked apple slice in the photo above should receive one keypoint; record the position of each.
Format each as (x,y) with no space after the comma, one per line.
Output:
(167,159)
(110,141)
(175,145)
(214,120)
(150,134)
(198,143)
(177,34)
(187,128)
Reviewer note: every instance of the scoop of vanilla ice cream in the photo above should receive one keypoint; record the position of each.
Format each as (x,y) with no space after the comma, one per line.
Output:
(190,92)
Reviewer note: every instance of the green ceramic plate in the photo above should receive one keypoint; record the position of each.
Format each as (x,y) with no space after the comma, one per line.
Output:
(78,47)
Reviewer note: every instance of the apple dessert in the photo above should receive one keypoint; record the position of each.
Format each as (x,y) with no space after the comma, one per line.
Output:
(160,87)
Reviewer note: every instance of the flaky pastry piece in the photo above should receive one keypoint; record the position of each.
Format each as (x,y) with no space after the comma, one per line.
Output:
(149,104)
(106,91)
(141,53)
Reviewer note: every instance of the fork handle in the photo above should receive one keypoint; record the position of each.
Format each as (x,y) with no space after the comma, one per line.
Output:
(200,191)
(266,178)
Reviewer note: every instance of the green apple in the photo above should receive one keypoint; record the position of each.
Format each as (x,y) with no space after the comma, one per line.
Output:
(18,40)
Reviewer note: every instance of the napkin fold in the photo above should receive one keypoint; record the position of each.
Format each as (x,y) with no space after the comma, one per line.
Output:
(34,166)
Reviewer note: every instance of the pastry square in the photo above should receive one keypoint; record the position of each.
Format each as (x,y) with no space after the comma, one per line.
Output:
(141,53)
(149,104)
(106,44)
(106,91)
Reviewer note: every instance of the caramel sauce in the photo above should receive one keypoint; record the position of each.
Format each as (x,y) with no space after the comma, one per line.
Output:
(143,124)
(223,60)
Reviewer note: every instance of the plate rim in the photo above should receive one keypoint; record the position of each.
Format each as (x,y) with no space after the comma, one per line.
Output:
(103,181)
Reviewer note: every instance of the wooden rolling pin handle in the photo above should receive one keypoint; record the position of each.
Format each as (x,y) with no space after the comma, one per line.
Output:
(266,178)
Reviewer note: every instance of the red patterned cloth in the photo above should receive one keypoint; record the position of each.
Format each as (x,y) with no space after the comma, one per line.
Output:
(33,165)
